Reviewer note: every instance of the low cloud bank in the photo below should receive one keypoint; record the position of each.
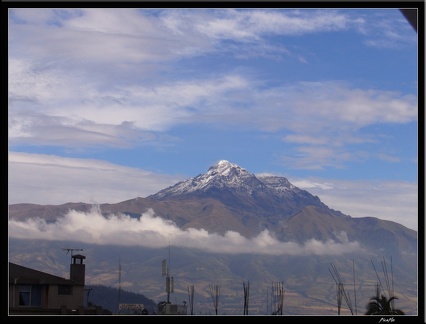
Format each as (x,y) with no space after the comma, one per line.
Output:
(155,232)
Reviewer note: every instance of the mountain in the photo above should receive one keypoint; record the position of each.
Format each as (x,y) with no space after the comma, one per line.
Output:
(242,192)
(229,198)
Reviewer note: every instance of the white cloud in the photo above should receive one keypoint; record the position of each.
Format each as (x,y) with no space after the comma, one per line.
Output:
(154,232)
(395,201)
(322,105)
(49,179)
(119,116)
(252,24)
(386,32)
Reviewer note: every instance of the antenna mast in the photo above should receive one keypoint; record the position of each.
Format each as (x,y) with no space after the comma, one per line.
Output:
(169,280)
(277,297)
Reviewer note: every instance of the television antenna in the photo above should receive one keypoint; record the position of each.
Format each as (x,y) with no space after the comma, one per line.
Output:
(340,291)
(71,250)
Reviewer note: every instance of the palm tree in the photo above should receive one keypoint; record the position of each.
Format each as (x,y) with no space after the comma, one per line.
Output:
(382,306)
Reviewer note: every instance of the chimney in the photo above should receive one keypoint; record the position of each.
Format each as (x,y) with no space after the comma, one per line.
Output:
(78,269)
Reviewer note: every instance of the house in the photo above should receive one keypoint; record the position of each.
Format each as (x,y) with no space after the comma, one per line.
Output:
(33,292)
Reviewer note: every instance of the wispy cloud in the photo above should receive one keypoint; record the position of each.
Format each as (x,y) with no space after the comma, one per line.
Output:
(384,32)
(154,232)
(120,116)
(395,201)
(49,179)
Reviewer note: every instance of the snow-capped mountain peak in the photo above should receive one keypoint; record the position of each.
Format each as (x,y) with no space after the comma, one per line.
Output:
(225,168)
(222,174)
(235,186)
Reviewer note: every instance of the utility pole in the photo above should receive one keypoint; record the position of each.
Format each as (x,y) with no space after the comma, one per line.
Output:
(246,297)
(119,284)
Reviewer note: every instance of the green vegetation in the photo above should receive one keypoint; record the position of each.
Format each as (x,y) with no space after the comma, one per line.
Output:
(382,306)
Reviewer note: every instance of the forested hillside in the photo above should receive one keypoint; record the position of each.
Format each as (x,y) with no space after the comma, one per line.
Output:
(108,298)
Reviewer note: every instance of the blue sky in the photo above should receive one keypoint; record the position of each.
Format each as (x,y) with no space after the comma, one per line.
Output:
(106,105)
